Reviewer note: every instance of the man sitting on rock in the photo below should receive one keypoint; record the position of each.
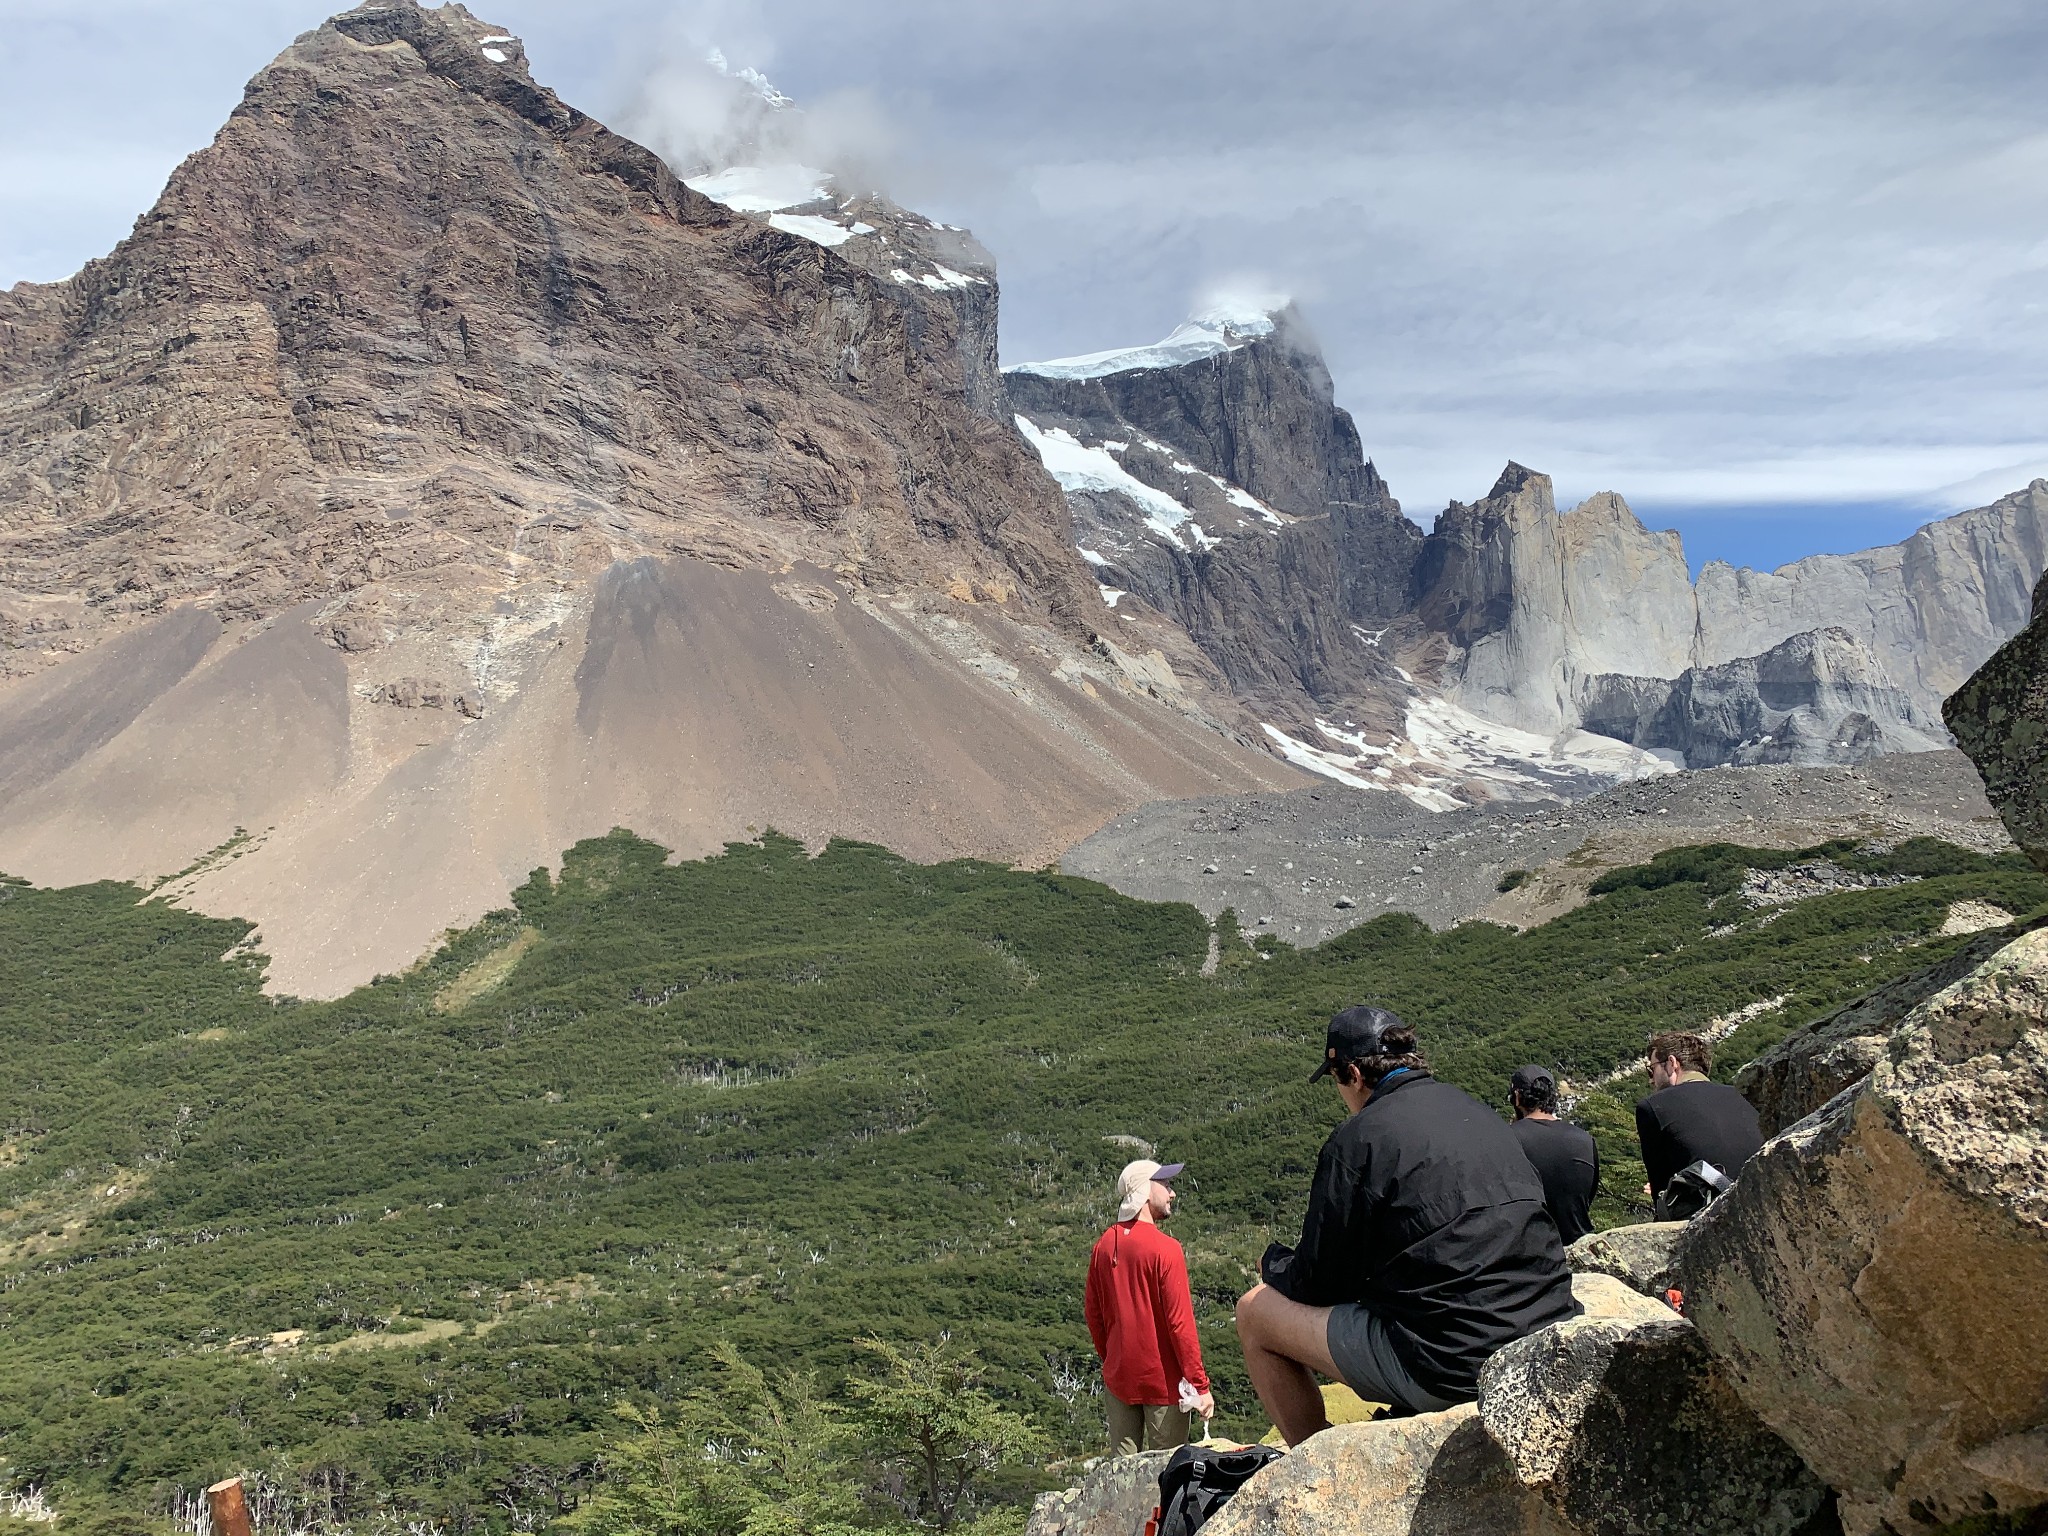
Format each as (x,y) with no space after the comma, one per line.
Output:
(1142,1318)
(1688,1119)
(1563,1155)
(1426,1246)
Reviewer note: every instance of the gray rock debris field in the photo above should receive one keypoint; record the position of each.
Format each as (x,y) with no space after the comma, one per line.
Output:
(1295,858)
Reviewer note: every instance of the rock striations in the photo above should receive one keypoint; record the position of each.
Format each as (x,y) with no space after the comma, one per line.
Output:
(419,384)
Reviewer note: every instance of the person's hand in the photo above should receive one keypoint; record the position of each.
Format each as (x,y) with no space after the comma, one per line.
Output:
(1647,1194)
(1205,1405)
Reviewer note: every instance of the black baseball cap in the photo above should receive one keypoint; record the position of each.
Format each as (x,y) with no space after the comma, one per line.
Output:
(1354,1035)
(1533,1081)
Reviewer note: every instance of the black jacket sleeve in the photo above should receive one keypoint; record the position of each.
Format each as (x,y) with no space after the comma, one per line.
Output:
(1323,1269)
(1656,1142)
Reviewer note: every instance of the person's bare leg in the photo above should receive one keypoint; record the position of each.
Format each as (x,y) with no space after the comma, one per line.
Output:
(1285,1344)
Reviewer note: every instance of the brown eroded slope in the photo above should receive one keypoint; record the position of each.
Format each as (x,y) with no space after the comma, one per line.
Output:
(688,701)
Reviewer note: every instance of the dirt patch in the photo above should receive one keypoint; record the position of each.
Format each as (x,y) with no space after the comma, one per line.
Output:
(51,1218)
(487,974)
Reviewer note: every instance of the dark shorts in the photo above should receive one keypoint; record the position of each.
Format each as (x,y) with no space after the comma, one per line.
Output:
(1364,1356)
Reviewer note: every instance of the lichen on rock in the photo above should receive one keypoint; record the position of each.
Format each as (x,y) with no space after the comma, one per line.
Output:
(1876,1284)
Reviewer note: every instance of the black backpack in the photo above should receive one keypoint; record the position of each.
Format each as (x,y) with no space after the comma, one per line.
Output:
(1691,1190)
(1198,1481)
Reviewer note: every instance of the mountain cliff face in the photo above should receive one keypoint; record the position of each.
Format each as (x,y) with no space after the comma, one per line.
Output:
(1930,609)
(410,314)
(433,479)
(1513,632)
(1817,697)
(1531,601)
(1215,479)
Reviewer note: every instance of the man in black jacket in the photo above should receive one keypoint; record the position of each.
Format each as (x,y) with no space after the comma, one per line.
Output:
(1426,1246)
(1689,1119)
(1563,1155)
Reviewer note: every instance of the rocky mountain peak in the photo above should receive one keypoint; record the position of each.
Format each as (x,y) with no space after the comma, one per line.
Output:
(1515,478)
(411,313)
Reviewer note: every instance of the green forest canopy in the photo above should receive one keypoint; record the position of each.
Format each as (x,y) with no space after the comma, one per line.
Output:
(405,1251)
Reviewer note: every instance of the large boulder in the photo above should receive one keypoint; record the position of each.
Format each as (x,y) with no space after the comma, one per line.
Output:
(1876,1284)
(1115,1497)
(1639,1257)
(1623,1424)
(2000,718)
(1437,1474)
(1835,1053)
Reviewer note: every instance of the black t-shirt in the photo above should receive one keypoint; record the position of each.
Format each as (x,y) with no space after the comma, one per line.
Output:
(1568,1163)
(1694,1121)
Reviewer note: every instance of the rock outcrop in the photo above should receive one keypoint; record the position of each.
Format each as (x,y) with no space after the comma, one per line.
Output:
(1804,1071)
(1638,1256)
(1814,698)
(1114,1498)
(2000,718)
(1616,1423)
(1876,1284)
(1625,1425)
(1437,1474)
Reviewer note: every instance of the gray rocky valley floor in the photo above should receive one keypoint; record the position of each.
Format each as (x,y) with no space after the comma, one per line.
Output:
(1310,863)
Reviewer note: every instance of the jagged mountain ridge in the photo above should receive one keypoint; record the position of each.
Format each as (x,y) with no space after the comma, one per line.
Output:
(433,479)
(1515,629)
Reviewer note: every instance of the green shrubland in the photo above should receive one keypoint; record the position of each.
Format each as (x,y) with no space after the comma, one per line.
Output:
(747,1136)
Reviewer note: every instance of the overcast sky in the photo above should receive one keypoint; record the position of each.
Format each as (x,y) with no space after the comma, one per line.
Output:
(1775,271)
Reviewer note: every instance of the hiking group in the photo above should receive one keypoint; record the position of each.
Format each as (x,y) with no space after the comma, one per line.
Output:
(1435,1235)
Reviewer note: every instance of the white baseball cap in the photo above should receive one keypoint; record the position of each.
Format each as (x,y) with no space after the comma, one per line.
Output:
(1134,1184)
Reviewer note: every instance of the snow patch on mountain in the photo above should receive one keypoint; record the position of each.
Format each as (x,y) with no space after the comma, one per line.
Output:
(1448,757)
(821,230)
(1216,330)
(1080,468)
(763,188)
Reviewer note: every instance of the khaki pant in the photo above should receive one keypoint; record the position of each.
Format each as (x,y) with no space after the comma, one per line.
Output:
(1144,1427)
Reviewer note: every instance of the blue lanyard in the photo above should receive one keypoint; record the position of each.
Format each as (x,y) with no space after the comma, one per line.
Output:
(1380,1086)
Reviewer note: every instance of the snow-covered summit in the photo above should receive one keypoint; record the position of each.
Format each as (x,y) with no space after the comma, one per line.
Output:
(763,188)
(1220,328)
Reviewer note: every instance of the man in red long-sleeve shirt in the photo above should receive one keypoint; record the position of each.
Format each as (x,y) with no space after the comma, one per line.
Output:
(1143,1320)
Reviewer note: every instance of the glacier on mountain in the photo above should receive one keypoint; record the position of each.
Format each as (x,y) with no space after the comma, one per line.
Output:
(763,188)
(1219,329)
